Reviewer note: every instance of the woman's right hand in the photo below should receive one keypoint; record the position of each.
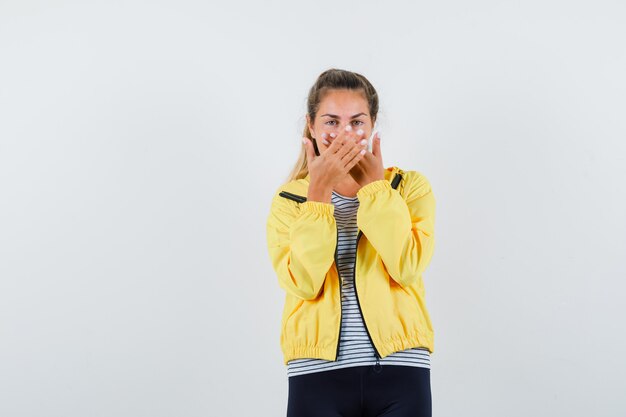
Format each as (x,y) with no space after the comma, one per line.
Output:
(332,165)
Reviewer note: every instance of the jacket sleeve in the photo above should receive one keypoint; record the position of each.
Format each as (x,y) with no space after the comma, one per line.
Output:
(301,239)
(401,230)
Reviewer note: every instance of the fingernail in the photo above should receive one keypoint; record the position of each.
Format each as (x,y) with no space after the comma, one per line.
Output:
(324,135)
(364,142)
(359,132)
(332,135)
(348,128)
(362,151)
(325,142)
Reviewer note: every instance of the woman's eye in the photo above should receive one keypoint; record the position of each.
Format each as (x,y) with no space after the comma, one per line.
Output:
(354,122)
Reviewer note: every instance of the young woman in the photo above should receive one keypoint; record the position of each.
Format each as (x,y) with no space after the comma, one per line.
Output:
(349,240)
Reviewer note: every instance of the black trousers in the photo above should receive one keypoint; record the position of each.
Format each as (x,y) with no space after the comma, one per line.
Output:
(361,391)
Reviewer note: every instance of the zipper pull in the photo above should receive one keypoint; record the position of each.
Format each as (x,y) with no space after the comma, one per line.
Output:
(378,367)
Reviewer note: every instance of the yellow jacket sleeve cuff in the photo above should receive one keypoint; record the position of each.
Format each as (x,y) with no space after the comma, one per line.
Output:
(318,207)
(372,187)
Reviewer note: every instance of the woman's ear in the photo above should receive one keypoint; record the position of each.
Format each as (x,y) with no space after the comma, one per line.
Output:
(310,126)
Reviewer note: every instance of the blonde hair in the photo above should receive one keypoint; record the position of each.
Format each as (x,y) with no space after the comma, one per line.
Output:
(331,79)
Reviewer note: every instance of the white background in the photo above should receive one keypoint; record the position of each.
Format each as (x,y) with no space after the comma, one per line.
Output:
(141,142)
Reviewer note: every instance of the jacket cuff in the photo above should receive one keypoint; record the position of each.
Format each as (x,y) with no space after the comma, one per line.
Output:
(372,187)
(317,207)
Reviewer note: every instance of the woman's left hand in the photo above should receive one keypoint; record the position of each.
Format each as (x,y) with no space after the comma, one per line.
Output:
(370,168)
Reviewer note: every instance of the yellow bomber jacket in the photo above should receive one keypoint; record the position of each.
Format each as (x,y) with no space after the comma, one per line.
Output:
(395,243)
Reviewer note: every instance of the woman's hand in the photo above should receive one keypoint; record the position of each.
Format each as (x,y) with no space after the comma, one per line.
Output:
(332,165)
(370,168)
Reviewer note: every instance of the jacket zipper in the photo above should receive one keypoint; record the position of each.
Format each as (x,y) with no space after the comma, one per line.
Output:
(292,196)
(359,304)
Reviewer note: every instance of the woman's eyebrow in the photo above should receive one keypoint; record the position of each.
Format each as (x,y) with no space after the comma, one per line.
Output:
(337,117)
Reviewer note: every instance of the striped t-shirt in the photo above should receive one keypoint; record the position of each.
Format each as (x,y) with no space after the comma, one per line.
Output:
(355,347)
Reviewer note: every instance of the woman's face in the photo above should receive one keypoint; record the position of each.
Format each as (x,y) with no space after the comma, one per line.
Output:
(338,109)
